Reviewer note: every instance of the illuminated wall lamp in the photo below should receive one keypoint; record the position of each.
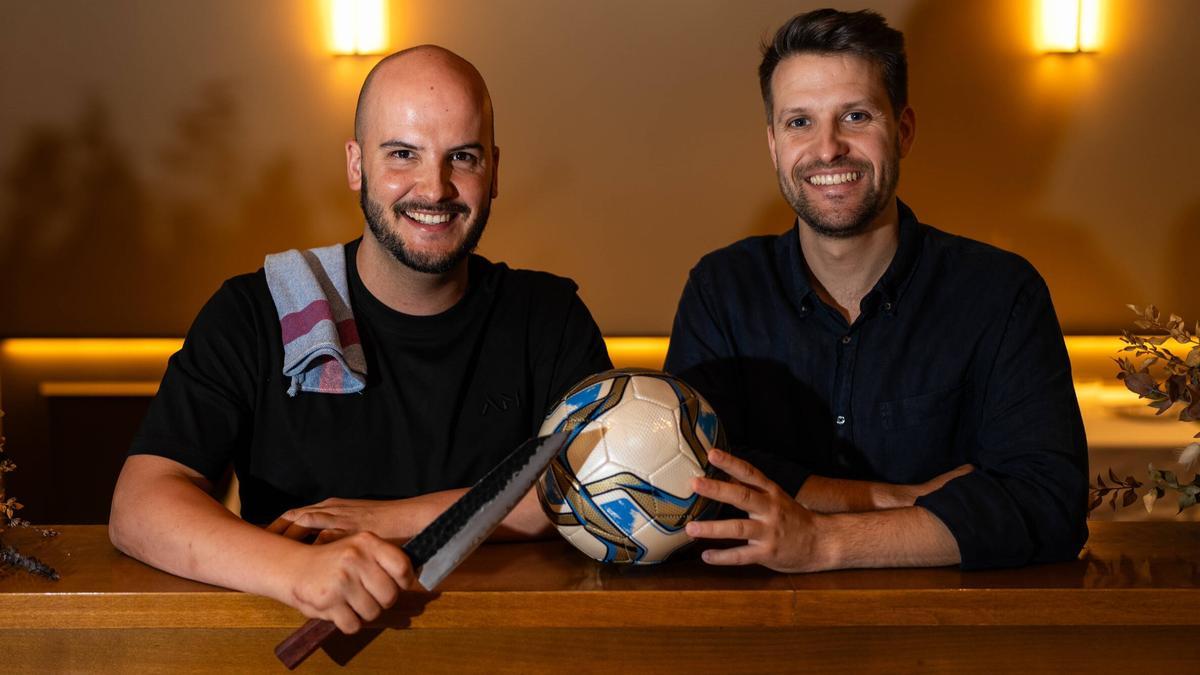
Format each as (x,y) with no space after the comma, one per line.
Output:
(359,26)
(1070,26)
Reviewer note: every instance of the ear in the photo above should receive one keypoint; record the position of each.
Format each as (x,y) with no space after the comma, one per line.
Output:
(354,165)
(771,144)
(907,130)
(495,171)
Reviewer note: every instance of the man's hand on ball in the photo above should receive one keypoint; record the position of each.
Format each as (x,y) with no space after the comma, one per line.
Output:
(779,533)
(349,581)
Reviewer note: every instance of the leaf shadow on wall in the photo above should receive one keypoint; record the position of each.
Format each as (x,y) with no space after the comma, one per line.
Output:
(990,126)
(91,244)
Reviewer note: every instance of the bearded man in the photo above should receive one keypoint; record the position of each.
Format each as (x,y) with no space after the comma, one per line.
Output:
(893,395)
(358,390)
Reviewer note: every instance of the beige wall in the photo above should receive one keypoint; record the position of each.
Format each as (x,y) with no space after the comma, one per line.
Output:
(149,149)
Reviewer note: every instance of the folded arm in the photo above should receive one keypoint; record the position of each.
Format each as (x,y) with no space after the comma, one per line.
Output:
(836,495)
(163,515)
(1026,500)
(783,535)
(399,519)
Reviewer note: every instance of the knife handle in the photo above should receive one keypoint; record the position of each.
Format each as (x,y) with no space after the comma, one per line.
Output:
(300,644)
(305,640)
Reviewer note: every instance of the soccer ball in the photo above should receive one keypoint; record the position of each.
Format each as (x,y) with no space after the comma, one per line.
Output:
(620,488)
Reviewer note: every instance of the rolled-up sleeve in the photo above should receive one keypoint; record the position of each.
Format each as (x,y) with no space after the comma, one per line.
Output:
(1026,500)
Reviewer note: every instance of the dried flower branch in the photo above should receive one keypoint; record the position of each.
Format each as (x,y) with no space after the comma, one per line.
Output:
(12,557)
(9,556)
(1125,489)
(1165,379)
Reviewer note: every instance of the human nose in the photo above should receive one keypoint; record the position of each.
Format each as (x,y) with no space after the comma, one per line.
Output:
(830,144)
(434,183)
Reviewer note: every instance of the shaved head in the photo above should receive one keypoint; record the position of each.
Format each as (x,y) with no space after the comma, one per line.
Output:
(424,158)
(423,63)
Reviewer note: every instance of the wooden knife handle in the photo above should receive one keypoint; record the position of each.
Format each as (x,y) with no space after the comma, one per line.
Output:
(299,645)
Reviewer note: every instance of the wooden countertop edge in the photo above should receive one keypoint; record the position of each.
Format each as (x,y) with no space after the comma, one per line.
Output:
(625,609)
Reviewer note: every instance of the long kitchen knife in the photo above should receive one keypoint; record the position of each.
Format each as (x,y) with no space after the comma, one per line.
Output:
(450,538)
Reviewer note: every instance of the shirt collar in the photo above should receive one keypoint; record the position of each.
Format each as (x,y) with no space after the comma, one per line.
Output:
(793,271)
(888,291)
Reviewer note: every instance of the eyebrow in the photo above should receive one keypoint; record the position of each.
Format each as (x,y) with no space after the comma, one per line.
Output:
(409,146)
(863,103)
(468,146)
(860,103)
(398,144)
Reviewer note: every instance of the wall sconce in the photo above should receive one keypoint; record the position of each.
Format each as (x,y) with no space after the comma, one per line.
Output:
(359,26)
(1070,26)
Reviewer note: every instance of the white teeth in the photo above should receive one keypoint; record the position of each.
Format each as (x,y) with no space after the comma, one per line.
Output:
(429,218)
(834,178)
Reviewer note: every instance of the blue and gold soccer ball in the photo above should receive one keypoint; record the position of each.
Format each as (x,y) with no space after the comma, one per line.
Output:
(620,488)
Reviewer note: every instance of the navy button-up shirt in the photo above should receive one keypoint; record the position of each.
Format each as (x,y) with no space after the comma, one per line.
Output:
(957,357)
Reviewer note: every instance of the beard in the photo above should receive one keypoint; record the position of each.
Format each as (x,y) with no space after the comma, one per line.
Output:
(427,263)
(845,220)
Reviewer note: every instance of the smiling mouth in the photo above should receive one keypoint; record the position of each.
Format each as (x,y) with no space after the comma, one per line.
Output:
(429,218)
(834,178)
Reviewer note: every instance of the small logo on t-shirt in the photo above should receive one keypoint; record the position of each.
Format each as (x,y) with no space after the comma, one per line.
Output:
(500,402)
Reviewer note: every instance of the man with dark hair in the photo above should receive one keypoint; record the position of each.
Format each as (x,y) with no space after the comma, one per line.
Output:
(894,395)
(358,390)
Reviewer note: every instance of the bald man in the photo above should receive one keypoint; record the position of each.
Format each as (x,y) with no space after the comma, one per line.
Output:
(461,357)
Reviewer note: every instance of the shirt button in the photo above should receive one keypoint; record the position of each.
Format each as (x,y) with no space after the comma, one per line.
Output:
(846,339)
(887,306)
(841,419)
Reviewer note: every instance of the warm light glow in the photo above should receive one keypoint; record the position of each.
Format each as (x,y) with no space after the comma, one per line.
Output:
(75,389)
(646,352)
(90,348)
(359,26)
(1093,344)
(1089,25)
(637,352)
(1069,26)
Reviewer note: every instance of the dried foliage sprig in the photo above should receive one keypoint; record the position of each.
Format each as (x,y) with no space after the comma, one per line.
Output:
(1124,490)
(1154,372)
(1177,379)
(10,556)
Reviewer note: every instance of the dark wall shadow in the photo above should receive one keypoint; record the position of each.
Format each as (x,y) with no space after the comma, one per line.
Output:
(93,245)
(96,241)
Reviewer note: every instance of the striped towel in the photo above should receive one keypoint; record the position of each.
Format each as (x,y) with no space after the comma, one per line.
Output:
(321,349)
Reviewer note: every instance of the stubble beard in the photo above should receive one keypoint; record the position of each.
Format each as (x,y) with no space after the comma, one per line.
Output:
(427,263)
(856,220)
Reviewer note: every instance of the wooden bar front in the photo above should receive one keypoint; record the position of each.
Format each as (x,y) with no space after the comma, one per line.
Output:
(1130,601)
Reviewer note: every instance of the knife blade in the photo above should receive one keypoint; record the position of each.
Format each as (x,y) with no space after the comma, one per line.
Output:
(452,536)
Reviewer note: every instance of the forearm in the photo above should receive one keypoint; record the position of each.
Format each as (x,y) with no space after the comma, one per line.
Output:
(783,535)
(526,521)
(169,522)
(905,537)
(835,495)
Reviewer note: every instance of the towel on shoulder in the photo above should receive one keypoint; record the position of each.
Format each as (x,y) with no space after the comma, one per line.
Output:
(322,352)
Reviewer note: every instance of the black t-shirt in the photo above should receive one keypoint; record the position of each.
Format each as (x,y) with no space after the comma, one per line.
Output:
(447,397)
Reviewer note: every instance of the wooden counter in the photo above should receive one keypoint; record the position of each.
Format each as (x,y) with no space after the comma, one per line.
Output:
(1130,601)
